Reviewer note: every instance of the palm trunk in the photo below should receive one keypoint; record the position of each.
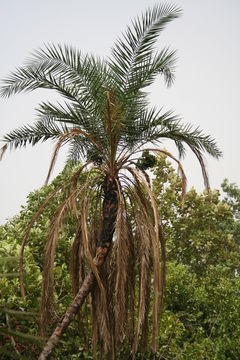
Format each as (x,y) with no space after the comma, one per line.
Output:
(109,214)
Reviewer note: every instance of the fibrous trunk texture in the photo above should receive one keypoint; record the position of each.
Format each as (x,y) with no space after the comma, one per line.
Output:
(109,214)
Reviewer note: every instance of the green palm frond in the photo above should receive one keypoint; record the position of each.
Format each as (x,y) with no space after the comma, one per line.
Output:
(153,127)
(63,69)
(81,149)
(86,75)
(32,134)
(169,126)
(68,114)
(135,63)
(80,79)
(193,137)
(144,127)
(162,63)
(130,55)
(76,151)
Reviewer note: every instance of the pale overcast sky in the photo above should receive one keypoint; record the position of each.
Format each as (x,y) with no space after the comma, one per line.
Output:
(206,91)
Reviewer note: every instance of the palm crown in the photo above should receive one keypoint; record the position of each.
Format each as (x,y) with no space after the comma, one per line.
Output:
(106,114)
(106,118)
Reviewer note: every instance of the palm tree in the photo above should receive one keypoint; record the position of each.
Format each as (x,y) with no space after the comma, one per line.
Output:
(106,119)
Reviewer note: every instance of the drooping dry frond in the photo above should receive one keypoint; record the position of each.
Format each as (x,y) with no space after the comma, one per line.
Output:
(76,260)
(53,160)
(180,168)
(2,151)
(163,264)
(77,272)
(142,217)
(122,261)
(30,225)
(144,246)
(94,326)
(102,308)
(64,138)
(203,167)
(47,299)
(150,215)
(50,248)
(85,233)
(34,218)
(181,171)
(131,284)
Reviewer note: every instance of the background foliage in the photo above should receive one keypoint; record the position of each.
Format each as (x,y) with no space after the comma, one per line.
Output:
(201,317)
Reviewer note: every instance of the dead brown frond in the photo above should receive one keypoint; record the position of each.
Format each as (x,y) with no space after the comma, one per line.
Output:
(76,260)
(102,309)
(2,151)
(203,167)
(122,266)
(30,225)
(142,214)
(94,325)
(101,320)
(151,219)
(77,273)
(34,218)
(50,248)
(65,137)
(145,174)
(144,246)
(67,207)
(163,264)
(47,299)
(53,159)
(133,261)
(131,284)
(85,233)
(180,168)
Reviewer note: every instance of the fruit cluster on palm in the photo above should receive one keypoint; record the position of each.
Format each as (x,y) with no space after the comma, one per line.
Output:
(106,119)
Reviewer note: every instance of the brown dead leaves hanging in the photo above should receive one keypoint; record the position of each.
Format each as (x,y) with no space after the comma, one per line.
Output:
(121,299)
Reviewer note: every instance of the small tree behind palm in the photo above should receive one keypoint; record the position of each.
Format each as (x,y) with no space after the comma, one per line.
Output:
(106,119)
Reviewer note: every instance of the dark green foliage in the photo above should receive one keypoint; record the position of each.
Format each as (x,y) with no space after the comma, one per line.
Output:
(146,161)
(232,198)
(201,318)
